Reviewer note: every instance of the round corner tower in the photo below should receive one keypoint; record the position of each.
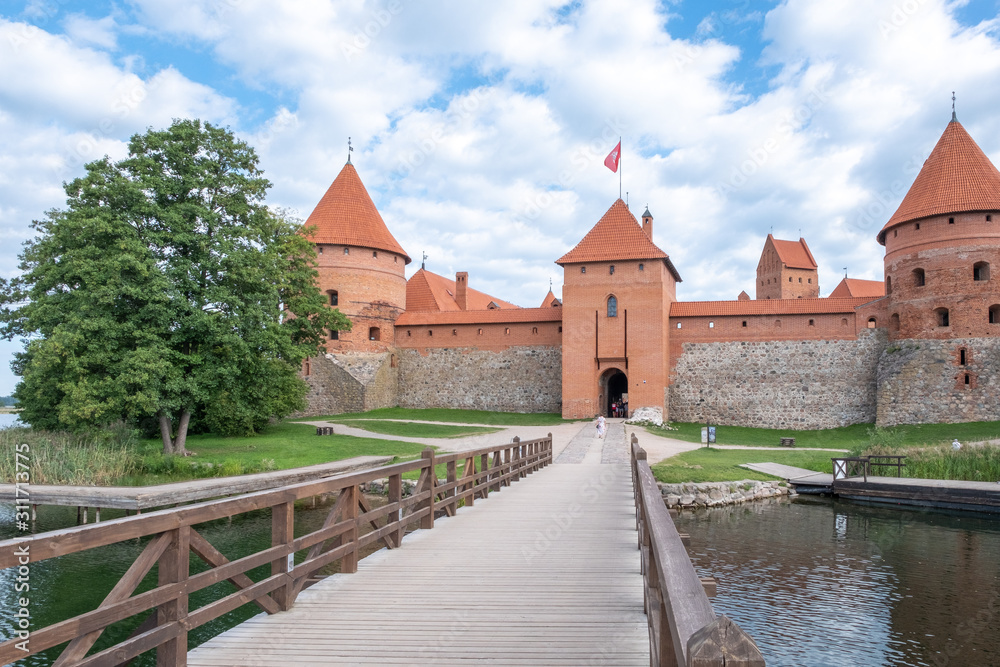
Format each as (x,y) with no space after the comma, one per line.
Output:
(943,244)
(361,266)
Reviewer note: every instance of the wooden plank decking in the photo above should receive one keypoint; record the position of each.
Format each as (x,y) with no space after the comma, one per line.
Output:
(546,572)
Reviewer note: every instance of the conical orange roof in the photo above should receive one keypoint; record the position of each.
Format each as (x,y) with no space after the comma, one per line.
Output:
(616,236)
(346,215)
(957,177)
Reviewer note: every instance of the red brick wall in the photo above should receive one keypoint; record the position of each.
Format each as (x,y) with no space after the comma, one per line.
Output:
(946,252)
(371,288)
(775,281)
(493,336)
(646,295)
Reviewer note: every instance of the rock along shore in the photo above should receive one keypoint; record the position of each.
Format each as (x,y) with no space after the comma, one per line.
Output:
(717,494)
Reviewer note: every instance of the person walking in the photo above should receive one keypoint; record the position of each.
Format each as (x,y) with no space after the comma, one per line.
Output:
(601,426)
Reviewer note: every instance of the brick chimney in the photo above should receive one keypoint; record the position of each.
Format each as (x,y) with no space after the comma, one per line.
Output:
(462,289)
(647,223)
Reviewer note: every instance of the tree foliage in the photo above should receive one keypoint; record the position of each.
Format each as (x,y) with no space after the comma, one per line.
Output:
(166,289)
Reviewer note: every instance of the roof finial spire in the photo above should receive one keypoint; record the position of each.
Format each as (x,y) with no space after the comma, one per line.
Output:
(423,261)
(350,149)
(550,284)
(954,118)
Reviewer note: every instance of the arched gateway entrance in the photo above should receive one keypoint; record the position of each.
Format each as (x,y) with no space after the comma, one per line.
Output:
(613,390)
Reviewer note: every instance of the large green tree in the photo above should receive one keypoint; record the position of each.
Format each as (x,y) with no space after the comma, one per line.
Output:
(166,289)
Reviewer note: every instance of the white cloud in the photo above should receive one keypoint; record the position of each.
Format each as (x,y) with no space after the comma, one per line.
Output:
(86,31)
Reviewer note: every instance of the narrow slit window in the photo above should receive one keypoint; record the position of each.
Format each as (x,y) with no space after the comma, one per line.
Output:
(612,306)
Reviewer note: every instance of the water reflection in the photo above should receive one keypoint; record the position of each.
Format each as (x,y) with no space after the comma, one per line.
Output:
(820,582)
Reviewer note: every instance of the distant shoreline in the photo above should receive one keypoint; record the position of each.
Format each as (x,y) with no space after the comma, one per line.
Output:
(9,410)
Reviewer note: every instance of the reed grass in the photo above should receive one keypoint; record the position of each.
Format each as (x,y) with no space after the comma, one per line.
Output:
(98,458)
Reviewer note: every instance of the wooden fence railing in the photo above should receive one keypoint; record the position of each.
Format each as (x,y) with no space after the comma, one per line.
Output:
(861,466)
(292,559)
(683,628)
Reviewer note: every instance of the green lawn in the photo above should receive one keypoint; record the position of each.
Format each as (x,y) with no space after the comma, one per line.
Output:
(415,429)
(845,437)
(456,416)
(722,465)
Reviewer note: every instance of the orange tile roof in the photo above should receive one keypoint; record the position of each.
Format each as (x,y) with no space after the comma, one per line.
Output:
(346,215)
(550,301)
(853,287)
(498,316)
(793,254)
(429,292)
(765,307)
(616,236)
(956,177)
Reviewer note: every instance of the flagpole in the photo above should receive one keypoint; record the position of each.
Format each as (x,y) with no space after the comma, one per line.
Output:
(619,167)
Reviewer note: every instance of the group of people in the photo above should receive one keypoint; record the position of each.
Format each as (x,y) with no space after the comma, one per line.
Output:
(619,409)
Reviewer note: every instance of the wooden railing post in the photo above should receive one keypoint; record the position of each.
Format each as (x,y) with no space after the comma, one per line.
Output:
(722,643)
(283,532)
(452,505)
(173,568)
(395,496)
(496,470)
(484,475)
(349,564)
(429,477)
(518,461)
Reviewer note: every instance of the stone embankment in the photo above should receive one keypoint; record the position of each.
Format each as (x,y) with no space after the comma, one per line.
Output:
(717,494)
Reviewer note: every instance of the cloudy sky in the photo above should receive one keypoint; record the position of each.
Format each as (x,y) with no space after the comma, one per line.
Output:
(480,128)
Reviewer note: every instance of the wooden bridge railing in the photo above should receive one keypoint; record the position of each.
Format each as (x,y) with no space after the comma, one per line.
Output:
(293,559)
(861,466)
(683,628)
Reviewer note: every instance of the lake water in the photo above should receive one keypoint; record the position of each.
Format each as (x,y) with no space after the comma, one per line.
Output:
(8,419)
(819,582)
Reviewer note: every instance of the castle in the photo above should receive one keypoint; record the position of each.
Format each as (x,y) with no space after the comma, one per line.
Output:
(922,346)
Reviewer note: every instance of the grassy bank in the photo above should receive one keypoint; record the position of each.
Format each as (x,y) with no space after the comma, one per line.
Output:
(845,437)
(415,429)
(723,465)
(454,416)
(974,463)
(68,458)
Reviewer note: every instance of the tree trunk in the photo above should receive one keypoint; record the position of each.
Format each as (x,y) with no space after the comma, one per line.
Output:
(165,428)
(182,431)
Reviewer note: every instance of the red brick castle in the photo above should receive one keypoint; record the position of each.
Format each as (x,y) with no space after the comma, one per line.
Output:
(924,346)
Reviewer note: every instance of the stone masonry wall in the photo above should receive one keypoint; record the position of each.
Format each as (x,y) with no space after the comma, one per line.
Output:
(518,379)
(924,381)
(350,382)
(803,384)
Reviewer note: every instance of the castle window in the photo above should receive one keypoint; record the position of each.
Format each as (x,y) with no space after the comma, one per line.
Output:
(777,323)
(320,250)
(981,271)
(744,323)
(919,278)
(395,259)
(583,269)
(916,226)
(430,332)
(334,334)
(642,267)
(374,253)
(560,329)
(966,378)
(800,279)
(454,332)
(810,280)
(507,331)
(843,321)
(480,332)
(789,279)
(612,306)
(995,314)
(374,333)
(812,323)
(711,325)
(951,221)
(888,284)
(306,368)
(534,330)
(942,317)
(334,297)
(872,322)
(347,251)
(895,233)
(611,269)
(393,361)
(989,218)
(962,357)
(678,325)
(409,333)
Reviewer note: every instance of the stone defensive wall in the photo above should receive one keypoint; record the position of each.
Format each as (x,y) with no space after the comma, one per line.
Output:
(931,381)
(350,382)
(803,363)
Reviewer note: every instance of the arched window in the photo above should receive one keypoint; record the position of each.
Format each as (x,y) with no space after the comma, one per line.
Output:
(347,251)
(894,322)
(334,297)
(919,278)
(981,271)
(888,284)
(942,317)
(334,334)
(612,306)
(872,322)
(374,333)
(995,313)
(611,270)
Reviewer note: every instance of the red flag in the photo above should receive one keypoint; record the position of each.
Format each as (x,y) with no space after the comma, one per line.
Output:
(611,161)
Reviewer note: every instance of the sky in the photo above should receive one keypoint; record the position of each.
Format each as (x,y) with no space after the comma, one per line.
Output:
(480,128)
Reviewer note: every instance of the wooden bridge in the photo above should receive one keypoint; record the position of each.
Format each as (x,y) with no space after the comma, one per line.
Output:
(575,564)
